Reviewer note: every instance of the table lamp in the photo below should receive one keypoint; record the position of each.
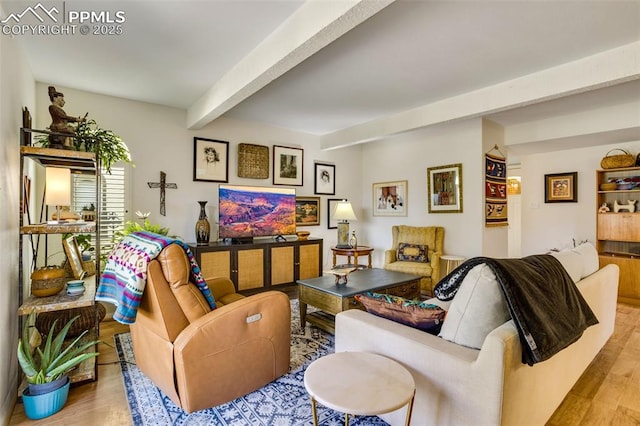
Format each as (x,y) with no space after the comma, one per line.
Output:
(57,190)
(343,213)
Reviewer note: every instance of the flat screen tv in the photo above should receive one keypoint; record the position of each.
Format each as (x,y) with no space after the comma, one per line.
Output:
(245,212)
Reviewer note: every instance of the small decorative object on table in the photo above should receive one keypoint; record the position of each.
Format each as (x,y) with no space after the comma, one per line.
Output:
(303,235)
(353,241)
(341,274)
(203,228)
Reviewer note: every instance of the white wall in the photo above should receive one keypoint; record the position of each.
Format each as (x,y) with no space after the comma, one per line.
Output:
(555,225)
(407,157)
(17,89)
(159,141)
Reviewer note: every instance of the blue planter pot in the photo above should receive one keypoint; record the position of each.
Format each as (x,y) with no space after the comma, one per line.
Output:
(44,405)
(39,389)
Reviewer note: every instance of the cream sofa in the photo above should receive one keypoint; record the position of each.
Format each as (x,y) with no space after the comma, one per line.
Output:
(458,385)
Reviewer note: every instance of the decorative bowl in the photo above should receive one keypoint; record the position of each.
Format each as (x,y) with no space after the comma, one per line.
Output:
(624,185)
(303,235)
(610,186)
(75,283)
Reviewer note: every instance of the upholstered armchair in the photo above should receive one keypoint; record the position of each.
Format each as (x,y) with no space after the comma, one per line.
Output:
(412,240)
(202,358)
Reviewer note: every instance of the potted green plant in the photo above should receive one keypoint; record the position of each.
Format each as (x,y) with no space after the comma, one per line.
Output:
(89,137)
(47,368)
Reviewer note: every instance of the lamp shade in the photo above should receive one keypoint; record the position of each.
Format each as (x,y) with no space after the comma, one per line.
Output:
(344,211)
(58,190)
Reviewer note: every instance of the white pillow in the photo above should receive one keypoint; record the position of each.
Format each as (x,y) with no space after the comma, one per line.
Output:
(477,309)
(572,262)
(590,259)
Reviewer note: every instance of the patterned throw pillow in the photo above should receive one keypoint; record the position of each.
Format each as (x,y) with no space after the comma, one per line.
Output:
(421,315)
(412,252)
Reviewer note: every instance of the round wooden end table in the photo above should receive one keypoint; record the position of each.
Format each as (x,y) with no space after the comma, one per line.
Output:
(359,383)
(352,252)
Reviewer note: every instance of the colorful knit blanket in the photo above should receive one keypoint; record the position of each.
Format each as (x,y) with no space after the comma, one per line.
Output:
(125,275)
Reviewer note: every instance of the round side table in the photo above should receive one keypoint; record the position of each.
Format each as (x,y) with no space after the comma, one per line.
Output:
(359,383)
(352,251)
(452,261)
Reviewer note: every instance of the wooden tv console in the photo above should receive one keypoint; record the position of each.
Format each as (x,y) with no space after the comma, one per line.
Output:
(262,264)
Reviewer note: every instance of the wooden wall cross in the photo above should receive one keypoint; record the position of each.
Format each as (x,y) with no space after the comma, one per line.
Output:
(162,185)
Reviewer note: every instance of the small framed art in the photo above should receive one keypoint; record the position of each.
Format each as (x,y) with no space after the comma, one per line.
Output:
(307,211)
(444,188)
(561,188)
(390,198)
(287,165)
(331,206)
(325,179)
(74,257)
(210,160)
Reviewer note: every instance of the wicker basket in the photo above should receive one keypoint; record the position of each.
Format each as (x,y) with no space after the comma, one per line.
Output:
(618,160)
(87,319)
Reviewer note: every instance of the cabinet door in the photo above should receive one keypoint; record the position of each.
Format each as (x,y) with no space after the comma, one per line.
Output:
(215,264)
(629,285)
(309,261)
(250,268)
(282,261)
(619,226)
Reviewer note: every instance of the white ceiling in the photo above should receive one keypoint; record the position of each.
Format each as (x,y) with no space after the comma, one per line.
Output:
(405,56)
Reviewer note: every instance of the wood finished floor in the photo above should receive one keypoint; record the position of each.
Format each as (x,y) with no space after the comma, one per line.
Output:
(608,393)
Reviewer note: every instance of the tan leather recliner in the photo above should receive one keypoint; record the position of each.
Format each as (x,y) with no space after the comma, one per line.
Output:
(202,358)
(431,236)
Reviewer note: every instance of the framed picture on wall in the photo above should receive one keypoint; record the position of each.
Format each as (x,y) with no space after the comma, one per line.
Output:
(444,189)
(561,188)
(287,165)
(210,160)
(331,206)
(324,179)
(390,198)
(307,211)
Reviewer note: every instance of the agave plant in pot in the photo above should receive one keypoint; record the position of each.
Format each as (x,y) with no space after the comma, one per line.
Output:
(46,369)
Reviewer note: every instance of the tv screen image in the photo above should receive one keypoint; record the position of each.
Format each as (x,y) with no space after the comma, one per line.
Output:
(251,211)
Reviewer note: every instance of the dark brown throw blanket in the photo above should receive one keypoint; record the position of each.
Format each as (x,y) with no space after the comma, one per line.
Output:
(546,306)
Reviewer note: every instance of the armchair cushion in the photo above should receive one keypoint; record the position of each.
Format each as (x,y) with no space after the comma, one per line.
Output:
(413,252)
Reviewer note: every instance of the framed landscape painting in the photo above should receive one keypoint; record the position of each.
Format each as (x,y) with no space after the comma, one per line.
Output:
(444,189)
(307,211)
(210,160)
(390,198)
(287,165)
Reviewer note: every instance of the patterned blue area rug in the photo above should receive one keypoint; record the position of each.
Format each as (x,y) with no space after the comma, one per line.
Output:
(283,402)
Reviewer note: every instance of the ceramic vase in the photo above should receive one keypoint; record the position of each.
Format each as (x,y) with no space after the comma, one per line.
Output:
(203,228)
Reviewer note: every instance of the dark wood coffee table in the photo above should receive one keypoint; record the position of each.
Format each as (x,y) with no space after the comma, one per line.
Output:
(331,298)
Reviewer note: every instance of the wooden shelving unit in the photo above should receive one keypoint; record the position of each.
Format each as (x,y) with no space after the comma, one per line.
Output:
(618,234)
(77,162)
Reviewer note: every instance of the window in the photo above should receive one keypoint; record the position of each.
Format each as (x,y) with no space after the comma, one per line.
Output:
(113,205)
